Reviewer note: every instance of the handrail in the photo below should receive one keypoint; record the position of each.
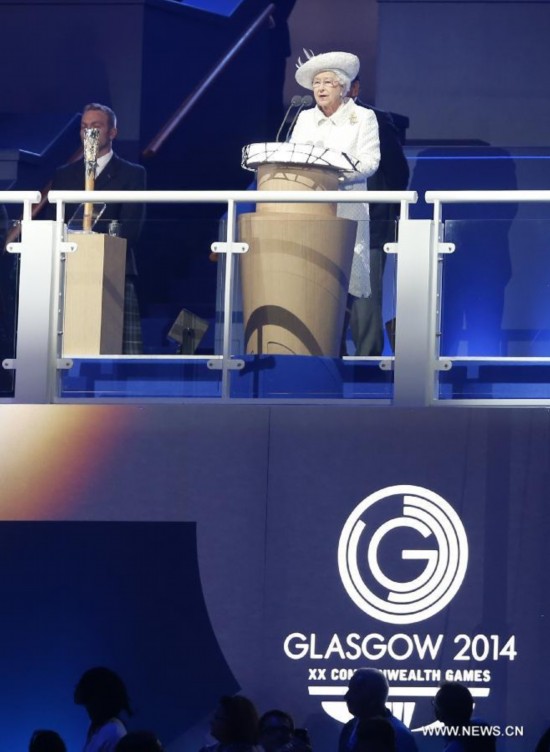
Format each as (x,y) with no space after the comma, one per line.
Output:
(27,198)
(470,197)
(213,197)
(480,197)
(173,122)
(219,197)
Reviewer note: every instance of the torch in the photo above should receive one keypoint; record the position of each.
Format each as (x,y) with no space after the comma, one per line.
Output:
(90,142)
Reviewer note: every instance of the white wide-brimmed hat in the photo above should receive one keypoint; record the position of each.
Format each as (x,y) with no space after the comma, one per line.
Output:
(340,62)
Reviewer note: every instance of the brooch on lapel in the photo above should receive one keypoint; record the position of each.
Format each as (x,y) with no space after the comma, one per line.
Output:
(353,119)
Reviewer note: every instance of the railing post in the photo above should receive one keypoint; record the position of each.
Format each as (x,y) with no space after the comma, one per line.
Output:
(229,248)
(228,298)
(36,357)
(416,313)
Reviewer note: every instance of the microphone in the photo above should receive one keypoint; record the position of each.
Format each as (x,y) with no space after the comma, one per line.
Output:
(304,102)
(294,102)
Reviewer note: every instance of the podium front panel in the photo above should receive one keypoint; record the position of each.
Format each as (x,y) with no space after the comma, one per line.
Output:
(295,280)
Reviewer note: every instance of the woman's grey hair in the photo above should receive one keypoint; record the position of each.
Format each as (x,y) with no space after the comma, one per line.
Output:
(343,80)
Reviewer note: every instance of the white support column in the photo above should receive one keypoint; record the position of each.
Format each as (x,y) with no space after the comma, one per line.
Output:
(416,313)
(229,248)
(36,357)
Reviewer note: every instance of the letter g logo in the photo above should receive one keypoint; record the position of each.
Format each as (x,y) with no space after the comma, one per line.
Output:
(375,526)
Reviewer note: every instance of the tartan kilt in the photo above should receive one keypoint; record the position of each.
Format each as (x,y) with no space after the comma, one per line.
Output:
(132,342)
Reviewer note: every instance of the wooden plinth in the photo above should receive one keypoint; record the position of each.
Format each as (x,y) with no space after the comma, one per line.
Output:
(94,295)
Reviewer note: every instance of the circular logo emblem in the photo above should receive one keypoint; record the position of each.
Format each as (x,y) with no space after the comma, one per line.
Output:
(385,571)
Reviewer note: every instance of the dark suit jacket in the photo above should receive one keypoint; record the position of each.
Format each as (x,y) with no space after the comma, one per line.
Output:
(118,175)
(3,227)
(392,175)
(8,263)
(404,740)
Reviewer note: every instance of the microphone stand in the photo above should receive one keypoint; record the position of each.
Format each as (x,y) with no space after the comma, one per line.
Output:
(294,102)
(304,102)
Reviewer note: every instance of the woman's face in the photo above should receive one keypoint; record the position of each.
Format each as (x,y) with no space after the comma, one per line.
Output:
(328,92)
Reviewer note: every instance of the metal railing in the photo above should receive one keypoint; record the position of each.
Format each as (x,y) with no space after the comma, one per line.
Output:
(420,247)
(229,248)
(26,198)
(441,198)
(34,362)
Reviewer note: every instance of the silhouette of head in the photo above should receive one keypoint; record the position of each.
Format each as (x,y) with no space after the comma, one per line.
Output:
(103,693)
(367,693)
(275,730)
(453,703)
(44,740)
(235,720)
(355,87)
(139,741)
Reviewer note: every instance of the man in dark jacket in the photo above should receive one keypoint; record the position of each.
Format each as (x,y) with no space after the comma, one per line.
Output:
(112,174)
(366,700)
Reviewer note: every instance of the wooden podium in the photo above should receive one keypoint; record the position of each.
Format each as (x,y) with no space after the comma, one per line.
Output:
(94,295)
(295,275)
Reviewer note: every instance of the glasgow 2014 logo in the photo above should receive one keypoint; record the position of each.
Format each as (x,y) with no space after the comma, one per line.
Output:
(366,554)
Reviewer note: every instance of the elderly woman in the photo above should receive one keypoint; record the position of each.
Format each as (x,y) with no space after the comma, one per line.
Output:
(338,123)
